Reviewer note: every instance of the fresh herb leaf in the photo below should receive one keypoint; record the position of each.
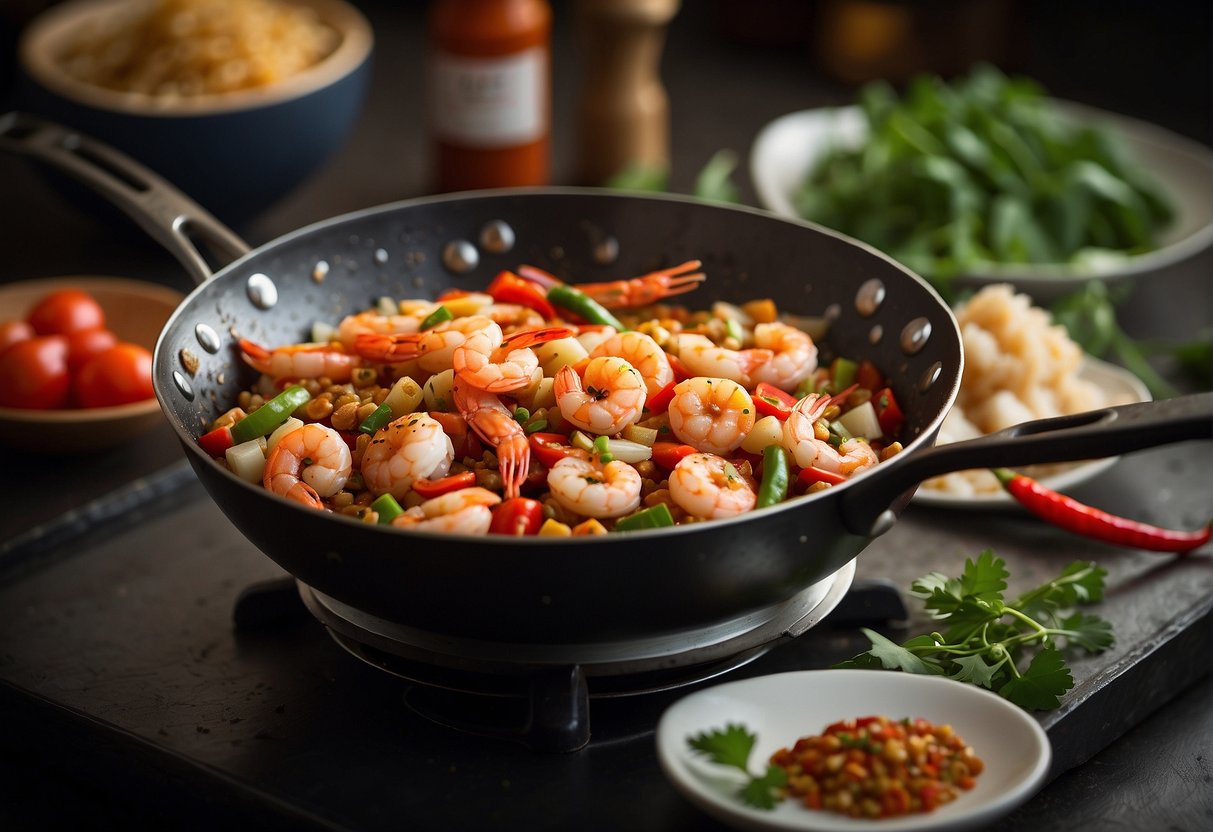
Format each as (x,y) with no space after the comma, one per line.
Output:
(985,638)
(731,747)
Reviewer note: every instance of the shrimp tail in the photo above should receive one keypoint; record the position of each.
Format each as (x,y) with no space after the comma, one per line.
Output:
(646,289)
(255,355)
(514,463)
(529,337)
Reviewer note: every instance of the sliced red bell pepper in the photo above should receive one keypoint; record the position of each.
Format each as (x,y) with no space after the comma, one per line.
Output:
(769,400)
(669,454)
(659,402)
(550,448)
(429,489)
(868,376)
(681,373)
(808,476)
(217,441)
(463,440)
(508,287)
(517,516)
(888,412)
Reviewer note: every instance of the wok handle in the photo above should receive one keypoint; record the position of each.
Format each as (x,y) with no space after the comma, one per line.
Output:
(870,504)
(174,220)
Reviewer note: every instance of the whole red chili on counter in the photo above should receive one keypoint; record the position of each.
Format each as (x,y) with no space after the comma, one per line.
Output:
(1071,515)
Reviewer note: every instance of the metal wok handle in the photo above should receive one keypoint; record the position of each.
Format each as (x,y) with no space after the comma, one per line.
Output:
(865,505)
(171,218)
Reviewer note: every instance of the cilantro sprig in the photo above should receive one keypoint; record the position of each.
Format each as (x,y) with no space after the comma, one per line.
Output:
(731,746)
(1012,647)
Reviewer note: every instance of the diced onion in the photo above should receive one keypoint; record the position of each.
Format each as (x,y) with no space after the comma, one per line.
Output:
(555,354)
(766,431)
(291,424)
(405,397)
(630,452)
(247,460)
(438,391)
(862,421)
(636,433)
(323,332)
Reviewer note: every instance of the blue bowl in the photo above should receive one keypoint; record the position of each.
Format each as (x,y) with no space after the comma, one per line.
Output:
(235,153)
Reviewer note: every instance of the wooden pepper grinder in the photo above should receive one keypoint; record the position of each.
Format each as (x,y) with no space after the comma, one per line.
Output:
(623,115)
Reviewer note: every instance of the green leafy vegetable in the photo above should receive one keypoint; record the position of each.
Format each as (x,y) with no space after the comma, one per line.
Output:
(984,639)
(731,747)
(955,177)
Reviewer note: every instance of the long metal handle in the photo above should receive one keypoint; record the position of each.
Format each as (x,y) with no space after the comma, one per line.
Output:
(869,505)
(169,216)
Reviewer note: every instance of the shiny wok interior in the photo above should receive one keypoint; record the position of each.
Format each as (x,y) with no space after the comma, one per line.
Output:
(595,589)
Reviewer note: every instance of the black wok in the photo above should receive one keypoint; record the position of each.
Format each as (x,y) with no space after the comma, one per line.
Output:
(584,590)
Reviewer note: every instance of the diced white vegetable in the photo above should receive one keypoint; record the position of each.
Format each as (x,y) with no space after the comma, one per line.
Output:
(766,431)
(247,460)
(644,436)
(731,312)
(387,306)
(862,421)
(291,424)
(542,396)
(405,397)
(626,451)
(438,391)
(553,355)
(594,337)
(323,332)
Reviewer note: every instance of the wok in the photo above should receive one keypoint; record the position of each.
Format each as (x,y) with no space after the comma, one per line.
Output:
(682,580)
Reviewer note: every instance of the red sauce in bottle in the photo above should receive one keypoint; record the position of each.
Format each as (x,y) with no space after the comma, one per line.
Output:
(489,92)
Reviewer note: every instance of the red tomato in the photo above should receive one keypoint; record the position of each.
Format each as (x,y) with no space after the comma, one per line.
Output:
(64,311)
(428,489)
(550,448)
(13,331)
(517,516)
(119,375)
(34,374)
(83,344)
(888,412)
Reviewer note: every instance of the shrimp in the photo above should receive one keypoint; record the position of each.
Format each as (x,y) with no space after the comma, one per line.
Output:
(711,414)
(513,314)
(612,397)
(496,364)
(808,451)
(795,355)
(643,353)
(373,323)
(703,357)
(308,463)
(626,294)
(708,486)
(403,451)
(300,361)
(495,424)
(465,511)
(434,349)
(594,490)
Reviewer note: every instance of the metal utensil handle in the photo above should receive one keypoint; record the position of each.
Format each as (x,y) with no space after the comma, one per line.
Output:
(169,216)
(864,506)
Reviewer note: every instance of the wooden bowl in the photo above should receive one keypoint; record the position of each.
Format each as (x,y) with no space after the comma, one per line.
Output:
(135,311)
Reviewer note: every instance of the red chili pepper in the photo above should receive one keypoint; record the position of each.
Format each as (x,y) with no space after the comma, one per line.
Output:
(769,400)
(888,412)
(508,287)
(669,454)
(1073,516)
(868,376)
(550,448)
(434,488)
(810,475)
(517,516)
(659,402)
(217,441)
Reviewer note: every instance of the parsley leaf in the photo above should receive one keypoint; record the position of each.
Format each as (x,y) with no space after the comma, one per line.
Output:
(1041,686)
(731,747)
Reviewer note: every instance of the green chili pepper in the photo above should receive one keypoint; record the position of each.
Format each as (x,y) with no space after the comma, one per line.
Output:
(581,304)
(535,426)
(842,373)
(263,420)
(775,476)
(436,317)
(387,508)
(382,415)
(654,517)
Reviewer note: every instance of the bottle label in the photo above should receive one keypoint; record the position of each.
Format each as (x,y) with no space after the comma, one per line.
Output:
(489,102)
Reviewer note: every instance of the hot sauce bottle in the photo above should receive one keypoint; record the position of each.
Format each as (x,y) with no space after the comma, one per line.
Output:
(489,92)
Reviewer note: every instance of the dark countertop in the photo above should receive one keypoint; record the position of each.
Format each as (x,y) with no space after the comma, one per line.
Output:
(722,90)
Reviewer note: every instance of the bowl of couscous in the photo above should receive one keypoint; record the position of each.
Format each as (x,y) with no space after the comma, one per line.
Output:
(235,102)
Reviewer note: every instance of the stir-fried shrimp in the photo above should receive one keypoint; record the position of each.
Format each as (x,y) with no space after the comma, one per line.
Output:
(374,323)
(300,361)
(403,451)
(308,463)
(513,315)
(703,357)
(593,490)
(643,353)
(433,349)
(465,511)
(608,397)
(494,423)
(809,450)
(794,359)
(711,414)
(488,361)
(709,486)
(629,294)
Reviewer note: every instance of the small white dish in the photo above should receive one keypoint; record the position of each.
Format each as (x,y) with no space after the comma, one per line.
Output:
(783,707)
(785,150)
(1120,387)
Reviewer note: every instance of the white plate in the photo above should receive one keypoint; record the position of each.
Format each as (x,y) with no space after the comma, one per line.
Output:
(786,706)
(785,151)
(1120,387)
